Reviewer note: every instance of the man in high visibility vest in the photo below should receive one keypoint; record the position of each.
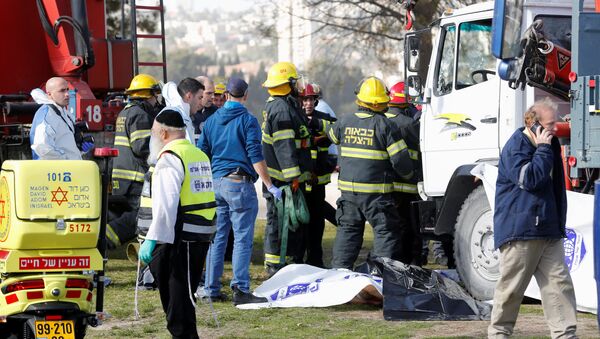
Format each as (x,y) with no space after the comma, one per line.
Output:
(372,156)
(132,138)
(183,211)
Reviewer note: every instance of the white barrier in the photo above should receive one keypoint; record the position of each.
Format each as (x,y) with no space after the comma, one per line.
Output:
(579,244)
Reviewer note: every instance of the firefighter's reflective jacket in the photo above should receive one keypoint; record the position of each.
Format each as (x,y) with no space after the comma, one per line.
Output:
(319,151)
(286,140)
(132,139)
(372,153)
(409,130)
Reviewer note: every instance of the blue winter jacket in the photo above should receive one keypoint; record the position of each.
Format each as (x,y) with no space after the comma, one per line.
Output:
(231,138)
(531,201)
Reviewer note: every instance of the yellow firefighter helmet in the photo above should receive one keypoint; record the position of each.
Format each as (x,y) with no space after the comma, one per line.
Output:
(143,86)
(372,90)
(280,74)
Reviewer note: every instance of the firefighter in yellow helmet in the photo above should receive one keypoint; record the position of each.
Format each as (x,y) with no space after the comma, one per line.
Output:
(220,96)
(132,139)
(372,155)
(286,149)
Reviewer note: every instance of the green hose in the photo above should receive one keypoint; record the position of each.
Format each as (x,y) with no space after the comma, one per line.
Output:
(291,213)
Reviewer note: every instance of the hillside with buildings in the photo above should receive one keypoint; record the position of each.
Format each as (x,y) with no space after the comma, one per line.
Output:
(229,41)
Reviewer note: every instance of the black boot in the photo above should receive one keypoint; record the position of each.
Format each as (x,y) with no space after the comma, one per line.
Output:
(272,269)
(240,297)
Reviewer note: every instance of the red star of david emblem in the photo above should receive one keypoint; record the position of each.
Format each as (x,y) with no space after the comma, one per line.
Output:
(61,200)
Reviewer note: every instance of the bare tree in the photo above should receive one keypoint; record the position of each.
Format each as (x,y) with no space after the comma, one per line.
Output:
(372,27)
(349,38)
(117,25)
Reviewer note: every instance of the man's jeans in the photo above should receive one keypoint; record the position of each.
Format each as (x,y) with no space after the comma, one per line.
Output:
(237,207)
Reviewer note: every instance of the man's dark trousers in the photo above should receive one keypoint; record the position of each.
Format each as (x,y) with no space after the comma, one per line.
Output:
(313,235)
(170,268)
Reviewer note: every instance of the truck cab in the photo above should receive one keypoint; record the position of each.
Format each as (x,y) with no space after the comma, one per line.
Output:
(468,114)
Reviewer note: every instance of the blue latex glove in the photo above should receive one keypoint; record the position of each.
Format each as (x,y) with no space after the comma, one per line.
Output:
(86,146)
(146,250)
(275,191)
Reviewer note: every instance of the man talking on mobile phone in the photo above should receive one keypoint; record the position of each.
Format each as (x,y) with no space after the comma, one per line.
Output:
(529,226)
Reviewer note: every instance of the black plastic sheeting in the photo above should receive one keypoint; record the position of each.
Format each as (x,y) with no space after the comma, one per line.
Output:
(415,293)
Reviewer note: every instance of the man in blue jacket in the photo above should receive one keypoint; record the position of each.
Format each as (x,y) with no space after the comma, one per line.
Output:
(232,140)
(529,224)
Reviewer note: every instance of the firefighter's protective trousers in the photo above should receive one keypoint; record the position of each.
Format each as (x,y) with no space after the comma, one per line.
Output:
(286,148)
(353,209)
(132,139)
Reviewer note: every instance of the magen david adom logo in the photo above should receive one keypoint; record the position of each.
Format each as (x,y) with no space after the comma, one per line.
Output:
(574,249)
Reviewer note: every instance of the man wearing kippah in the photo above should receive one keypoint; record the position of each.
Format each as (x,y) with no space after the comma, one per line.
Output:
(183,210)
(232,140)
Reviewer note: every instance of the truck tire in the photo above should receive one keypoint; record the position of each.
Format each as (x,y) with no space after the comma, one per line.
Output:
(477,263)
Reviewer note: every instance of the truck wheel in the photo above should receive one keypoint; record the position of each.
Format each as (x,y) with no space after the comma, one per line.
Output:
(477,262)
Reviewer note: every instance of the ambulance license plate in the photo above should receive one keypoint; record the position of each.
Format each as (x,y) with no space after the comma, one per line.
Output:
(63,329)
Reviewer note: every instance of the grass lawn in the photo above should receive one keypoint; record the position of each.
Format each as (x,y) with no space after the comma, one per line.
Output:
(345,321)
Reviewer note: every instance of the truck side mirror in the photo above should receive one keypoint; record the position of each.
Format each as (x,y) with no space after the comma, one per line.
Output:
(414,87)
(418,46)
(412,58)
(506,33)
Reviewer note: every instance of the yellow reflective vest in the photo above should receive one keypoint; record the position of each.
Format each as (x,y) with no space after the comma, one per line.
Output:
(197,206)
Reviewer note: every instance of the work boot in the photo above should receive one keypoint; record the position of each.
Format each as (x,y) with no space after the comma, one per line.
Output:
(215,298)
(272,269)
(202,294)
(241,297)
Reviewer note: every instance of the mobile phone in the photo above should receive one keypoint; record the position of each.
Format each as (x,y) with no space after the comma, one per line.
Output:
(535,126)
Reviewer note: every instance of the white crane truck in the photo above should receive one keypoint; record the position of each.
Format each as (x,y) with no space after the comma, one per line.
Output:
(469,71)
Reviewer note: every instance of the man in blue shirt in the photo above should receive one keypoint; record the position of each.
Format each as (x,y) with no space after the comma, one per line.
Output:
(232,140)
